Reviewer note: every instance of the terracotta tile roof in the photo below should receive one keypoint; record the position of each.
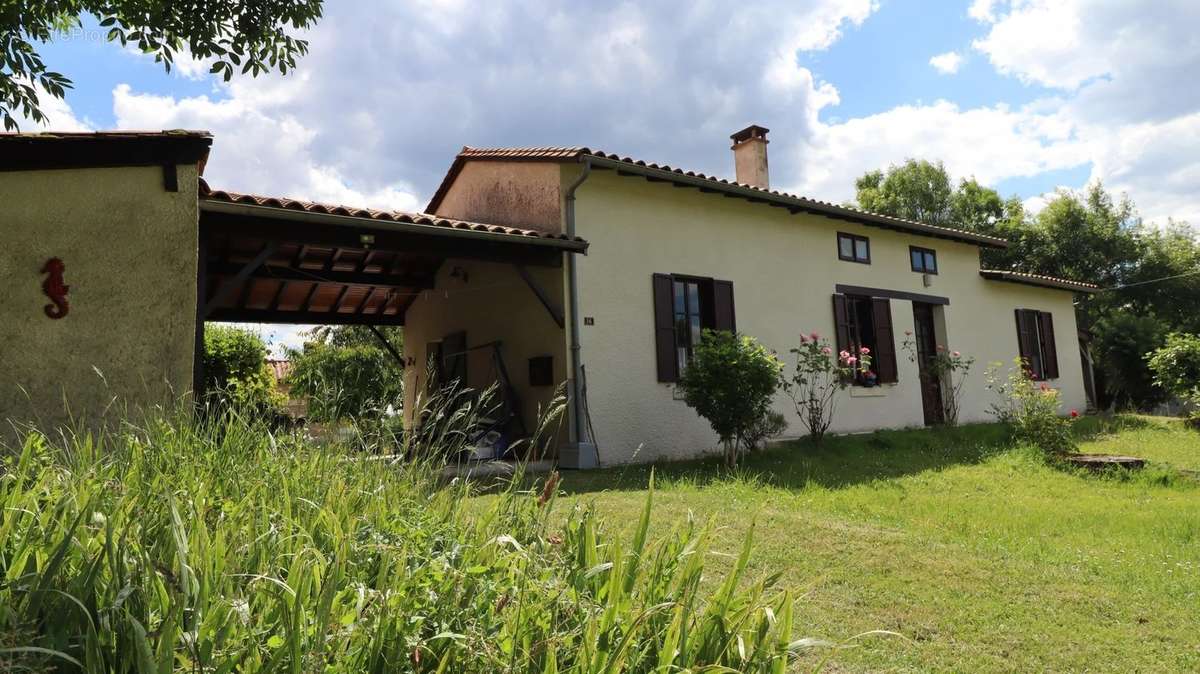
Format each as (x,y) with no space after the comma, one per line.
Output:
(1037,280)
(209,194)
(724,184)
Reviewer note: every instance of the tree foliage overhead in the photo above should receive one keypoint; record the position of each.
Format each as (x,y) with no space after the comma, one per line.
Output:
(1148,273)
(253,36)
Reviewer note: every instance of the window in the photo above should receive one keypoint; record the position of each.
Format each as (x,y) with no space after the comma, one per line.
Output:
(1035,343)
(867,322)
(684,306)
(689,316)
(924,260)
(854,248)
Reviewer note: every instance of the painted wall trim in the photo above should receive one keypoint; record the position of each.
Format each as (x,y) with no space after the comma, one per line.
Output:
(891,294)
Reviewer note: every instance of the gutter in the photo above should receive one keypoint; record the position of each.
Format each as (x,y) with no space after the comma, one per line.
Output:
(292,215)
(583,447)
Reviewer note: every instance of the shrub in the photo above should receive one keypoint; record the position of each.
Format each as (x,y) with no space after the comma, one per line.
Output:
(818,377)
(346,381)
(159,553)
(236,371)
(1032,410)
(770,425)
(730,382)
(1176,369)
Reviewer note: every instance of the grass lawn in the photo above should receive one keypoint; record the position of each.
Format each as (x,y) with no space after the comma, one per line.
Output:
(982,556)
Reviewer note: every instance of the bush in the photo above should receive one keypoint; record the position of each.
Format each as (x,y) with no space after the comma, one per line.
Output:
(217,547)
(730,382)
(236,371)
(770,425)
(1032,410)
(818,377)
(1176,369)
(343,382)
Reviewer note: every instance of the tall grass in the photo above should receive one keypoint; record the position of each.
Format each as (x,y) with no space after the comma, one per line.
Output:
(216,546)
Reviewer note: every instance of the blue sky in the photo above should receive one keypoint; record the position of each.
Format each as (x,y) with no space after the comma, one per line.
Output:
(1025,95)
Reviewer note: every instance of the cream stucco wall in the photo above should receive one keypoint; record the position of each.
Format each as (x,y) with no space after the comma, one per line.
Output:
(784,269)
(493,304)
(130,249)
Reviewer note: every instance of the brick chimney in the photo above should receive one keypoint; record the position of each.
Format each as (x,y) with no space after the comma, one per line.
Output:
(750,156)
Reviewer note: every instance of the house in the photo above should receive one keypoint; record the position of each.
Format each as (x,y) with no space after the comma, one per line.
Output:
(672,251)
(532,267)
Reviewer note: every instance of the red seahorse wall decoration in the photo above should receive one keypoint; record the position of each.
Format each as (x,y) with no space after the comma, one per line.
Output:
(55,289)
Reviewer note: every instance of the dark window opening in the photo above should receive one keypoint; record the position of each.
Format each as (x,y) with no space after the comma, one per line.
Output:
(924,260)
(692,302)
(685,306)
(854,248)
(861,315)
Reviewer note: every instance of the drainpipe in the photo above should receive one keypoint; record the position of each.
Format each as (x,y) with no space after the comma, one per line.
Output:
(582,452)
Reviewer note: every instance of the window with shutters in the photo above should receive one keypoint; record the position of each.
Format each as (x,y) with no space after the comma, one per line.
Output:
(867,322)
(1035,343)
(684,306)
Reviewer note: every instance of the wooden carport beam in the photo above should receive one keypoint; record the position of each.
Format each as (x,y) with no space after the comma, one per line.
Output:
(279,273)
(543,297)
(231,285)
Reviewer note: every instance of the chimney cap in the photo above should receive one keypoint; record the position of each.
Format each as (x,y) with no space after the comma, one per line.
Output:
(752,131)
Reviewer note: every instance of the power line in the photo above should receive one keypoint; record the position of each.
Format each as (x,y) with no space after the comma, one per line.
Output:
(1123,286)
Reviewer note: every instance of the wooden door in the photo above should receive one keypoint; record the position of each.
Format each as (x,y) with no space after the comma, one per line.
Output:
(931,385)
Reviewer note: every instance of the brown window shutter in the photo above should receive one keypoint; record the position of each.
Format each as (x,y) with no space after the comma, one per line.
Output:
(1049,353)
(884,358)
(1027,340)
(664,329)
(841,323)
(723,316)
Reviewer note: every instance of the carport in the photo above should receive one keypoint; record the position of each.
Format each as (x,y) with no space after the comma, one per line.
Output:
(277,260)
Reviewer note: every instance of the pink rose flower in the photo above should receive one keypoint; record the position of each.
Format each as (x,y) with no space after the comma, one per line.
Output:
(908,333)
(864,350)
(814,336)
(803,339)
(956,354)
(844,355)
(826,350)
(851,360)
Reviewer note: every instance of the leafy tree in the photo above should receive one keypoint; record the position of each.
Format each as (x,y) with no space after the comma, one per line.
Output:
(1121,342)
(1176,366)
(236,371)
(345,372)
(253,36)
(730,382)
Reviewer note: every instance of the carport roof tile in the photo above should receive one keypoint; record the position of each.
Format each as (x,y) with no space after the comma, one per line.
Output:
(207,193)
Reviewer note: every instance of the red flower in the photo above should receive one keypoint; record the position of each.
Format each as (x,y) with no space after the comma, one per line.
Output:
(1074,414)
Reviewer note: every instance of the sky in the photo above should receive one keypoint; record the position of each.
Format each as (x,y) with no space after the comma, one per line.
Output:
(1027,96)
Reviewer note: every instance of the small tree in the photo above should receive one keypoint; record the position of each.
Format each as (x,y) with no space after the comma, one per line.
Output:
(730,382)
(948,368)
(1176,369)
(818,377)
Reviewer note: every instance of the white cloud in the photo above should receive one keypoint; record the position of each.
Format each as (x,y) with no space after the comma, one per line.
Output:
(946,64)
(59,115)
(991,144)
(1126,73)
(389,93)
